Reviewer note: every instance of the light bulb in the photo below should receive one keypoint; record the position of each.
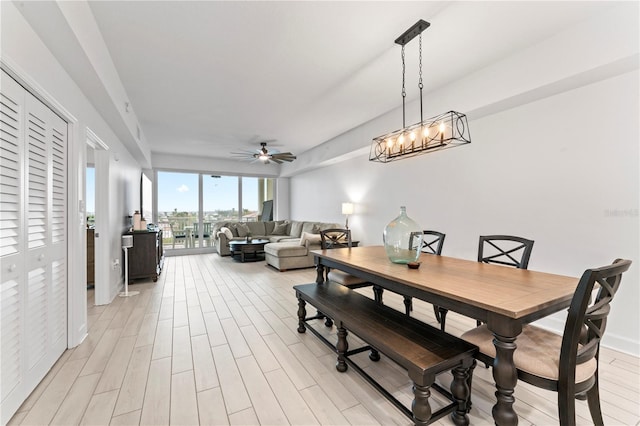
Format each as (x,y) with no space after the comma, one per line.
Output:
(412,136)
(389,143)
(401,139)
(442,127)
(425,132)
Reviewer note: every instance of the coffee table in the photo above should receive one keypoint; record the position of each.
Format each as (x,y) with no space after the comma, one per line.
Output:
(254,249)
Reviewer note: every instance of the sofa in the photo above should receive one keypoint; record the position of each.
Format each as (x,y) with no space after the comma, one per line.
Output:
(290,242)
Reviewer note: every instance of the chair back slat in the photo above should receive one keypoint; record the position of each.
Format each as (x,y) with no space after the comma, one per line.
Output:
(505,252)
(587,317)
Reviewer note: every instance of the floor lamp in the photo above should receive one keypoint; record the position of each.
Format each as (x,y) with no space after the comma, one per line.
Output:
(127,243)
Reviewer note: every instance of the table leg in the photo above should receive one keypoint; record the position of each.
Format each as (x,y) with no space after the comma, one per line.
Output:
(505,374)
(320,273)
(320,280)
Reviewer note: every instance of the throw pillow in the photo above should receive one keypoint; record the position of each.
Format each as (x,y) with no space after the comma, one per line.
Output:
(280,229)
(243,229)
(311,238)
(295,228)
(227,232)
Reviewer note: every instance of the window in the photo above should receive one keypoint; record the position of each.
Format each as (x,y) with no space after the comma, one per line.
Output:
(90,199)
(229,198)
(178,207)
(220,198)
(254,192)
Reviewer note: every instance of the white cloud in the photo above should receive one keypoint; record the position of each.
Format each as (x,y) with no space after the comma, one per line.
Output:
(183,188)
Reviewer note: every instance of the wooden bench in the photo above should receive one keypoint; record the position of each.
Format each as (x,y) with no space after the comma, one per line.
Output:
(424,351)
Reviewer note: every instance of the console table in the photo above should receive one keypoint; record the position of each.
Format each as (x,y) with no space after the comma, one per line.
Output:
(146,256)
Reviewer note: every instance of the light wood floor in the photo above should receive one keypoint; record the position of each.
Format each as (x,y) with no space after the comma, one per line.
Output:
(215,342)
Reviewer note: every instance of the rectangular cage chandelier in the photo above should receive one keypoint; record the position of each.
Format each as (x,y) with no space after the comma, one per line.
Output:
(432,134)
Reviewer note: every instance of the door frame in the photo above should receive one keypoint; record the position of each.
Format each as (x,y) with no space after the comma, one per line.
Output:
(101,244)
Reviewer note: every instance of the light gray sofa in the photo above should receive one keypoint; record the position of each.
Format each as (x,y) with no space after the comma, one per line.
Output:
(284,250)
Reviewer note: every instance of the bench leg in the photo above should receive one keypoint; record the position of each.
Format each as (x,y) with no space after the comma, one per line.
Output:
(420,406)
(302,314)
(342,348)
(469,378)
(461,392)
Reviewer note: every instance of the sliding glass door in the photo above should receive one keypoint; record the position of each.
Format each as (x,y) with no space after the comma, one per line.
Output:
(187,223)
(178,208)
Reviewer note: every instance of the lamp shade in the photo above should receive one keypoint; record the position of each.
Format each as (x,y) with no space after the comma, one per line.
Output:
(347,208)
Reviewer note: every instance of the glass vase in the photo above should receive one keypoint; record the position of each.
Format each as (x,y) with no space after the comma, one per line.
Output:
(403,239)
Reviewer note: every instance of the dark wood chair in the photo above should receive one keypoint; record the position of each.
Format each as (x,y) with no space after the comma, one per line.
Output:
(341,238)
(505,250)
(432,242)
(501,249)
(566,364)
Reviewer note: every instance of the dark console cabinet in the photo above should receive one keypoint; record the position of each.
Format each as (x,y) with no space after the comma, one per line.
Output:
(146,255)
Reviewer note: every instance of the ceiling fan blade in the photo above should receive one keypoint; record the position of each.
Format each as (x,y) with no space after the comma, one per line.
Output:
(243,153)
(276,160)
(285,157)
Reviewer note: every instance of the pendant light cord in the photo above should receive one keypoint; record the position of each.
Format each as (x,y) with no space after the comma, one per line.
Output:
(420,78)
(404,92)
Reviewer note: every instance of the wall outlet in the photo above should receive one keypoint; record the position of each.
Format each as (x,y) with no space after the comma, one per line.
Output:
(115,263)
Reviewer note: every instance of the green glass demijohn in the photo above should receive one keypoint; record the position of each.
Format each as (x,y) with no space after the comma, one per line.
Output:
(403,239)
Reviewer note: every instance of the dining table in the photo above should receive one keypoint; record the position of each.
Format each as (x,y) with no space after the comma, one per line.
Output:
(504,298)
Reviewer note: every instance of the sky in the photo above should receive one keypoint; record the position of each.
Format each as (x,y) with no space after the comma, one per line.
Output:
(180,191)
(91,184)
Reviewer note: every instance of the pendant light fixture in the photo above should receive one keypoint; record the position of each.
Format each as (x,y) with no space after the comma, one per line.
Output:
(432,134)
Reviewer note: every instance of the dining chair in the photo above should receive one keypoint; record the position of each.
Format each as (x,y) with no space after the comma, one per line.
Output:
(341,238)
(432,242)
(567,363)
(206,232)
(177,234)
(505,250)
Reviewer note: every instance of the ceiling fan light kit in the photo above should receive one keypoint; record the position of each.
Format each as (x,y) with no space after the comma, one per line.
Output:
(433,134)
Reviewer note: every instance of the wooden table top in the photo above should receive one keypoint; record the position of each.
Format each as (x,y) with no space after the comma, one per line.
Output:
(510,292)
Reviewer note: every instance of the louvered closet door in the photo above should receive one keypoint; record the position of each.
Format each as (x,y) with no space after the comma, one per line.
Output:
(33,243)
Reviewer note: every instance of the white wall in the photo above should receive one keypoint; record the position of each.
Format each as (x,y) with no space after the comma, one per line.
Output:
(27,54)
(563,171)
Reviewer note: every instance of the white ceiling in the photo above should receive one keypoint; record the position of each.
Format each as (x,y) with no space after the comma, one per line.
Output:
(210,78)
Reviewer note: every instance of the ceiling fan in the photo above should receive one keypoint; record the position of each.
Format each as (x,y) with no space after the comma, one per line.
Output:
(266,156)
